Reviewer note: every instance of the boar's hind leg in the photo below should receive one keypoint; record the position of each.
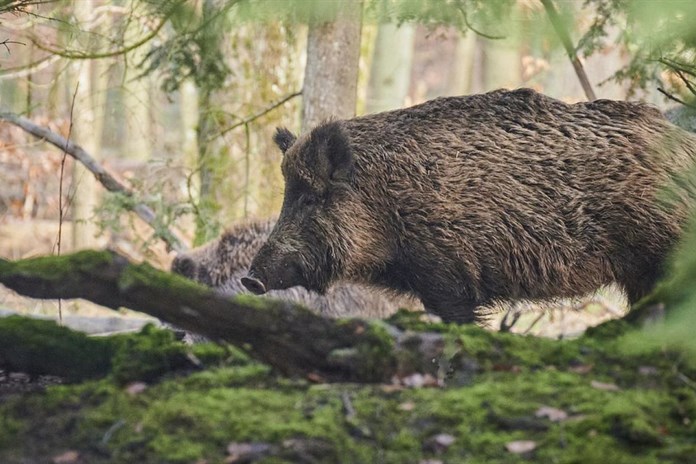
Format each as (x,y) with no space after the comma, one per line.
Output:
(638,286)
(460,312)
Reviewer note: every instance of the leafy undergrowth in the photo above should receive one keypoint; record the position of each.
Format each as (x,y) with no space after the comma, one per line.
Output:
(501,398)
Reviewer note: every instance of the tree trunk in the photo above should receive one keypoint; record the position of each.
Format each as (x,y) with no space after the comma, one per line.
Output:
(331,73)
(390,70)
(83,194)
(136,101)
(188,110)
(463,68)
(86,132)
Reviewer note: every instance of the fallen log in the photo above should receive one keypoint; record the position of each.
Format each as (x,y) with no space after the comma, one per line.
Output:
(286,336)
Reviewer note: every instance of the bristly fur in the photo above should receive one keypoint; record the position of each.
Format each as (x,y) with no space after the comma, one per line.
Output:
(501,196)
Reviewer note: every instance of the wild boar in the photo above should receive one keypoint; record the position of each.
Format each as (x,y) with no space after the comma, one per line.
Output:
(221,264)
(465,201)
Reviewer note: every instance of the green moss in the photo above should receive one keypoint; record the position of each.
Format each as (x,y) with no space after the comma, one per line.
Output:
(192,418)
(255,302)
(499,382)
(374,354)
(148,355)
(214,354)
(609,330)
(40,347)
(405,319)
(54,267)
(143,274)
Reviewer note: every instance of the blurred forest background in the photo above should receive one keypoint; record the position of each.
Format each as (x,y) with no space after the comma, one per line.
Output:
(179,98)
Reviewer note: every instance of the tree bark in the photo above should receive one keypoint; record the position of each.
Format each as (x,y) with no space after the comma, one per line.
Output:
(83,131)
(331,72)
(288,337)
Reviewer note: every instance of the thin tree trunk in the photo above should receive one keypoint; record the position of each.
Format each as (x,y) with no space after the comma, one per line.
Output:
(562,33)
(390,70)
(136,102)
(331,73)
(188,110)
(83,194)
(463,67)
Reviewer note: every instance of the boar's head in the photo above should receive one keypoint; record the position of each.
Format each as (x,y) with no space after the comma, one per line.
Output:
(313,242)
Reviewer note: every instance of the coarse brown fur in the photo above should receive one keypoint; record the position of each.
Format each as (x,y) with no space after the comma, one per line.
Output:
(221,264)
(463,201)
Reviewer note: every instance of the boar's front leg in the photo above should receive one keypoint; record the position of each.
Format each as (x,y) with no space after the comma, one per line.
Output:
(457,311)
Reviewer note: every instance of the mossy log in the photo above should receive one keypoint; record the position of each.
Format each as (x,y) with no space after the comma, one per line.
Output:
(286,336)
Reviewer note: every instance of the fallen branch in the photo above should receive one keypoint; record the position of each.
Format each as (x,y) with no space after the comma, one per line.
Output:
(144,212)
(288,337)
(570,50)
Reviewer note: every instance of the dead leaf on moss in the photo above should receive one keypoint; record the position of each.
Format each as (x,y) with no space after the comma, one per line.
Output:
(581,368)
(407,406)
(439,443)
(136,388)
(552,414)
(521,446)
(68,457)
(604,386)
(246,452)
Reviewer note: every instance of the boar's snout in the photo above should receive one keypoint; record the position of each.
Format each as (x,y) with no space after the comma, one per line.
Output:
(273,270)
(253,284)
(183,265)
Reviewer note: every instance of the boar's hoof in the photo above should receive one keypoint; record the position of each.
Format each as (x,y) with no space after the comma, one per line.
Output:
(254,285)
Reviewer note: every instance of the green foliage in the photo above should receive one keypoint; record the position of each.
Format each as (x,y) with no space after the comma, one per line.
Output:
(677,295)
(194,50)
(39,347)
(154,192)
(448,12)
(658,36)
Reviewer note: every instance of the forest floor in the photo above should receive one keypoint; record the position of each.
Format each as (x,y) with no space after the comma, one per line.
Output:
(153,399)
(514,398)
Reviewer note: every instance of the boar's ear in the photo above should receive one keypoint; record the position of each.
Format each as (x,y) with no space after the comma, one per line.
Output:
(284,138)
(335,156)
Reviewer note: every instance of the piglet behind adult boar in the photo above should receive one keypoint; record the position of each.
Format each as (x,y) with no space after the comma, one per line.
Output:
(464,201)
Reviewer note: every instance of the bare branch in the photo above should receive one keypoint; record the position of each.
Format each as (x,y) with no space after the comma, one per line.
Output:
(81,55)
(6,42)
(672,97)
(465,17)
(27,69)
(570,50)
(258,115)
(103,176)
